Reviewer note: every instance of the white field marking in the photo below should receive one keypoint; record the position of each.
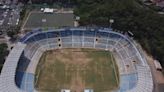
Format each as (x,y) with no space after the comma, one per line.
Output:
(94,40)
(37,78)
(111,56)
(26,20)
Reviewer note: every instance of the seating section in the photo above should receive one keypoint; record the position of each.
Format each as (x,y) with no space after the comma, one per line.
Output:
(7,77)
(145,83)
(133,68)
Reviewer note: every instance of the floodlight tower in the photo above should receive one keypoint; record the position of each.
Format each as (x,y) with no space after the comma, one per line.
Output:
(111,21)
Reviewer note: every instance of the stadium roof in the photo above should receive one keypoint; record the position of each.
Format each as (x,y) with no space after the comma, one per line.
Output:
(7,77)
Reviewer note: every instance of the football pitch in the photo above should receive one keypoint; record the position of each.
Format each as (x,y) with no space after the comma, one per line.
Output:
(77,69)
(45,20)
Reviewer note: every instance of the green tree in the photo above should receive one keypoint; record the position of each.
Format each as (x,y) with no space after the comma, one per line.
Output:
(3,53)
(147,25)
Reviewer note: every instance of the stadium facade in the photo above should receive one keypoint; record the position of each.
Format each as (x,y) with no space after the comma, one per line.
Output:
(19,69)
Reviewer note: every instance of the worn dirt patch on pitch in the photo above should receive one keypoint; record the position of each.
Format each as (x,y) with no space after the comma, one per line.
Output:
(71,56)
(76,69)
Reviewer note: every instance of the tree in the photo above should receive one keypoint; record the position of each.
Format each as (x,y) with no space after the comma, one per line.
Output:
(3,53)
(147,25)
(11,34)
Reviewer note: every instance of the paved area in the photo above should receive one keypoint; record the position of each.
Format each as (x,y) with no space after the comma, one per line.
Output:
(44,20)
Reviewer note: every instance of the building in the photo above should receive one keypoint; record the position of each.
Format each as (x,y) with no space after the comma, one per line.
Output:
(65,90)
(47,10)
(159,3)
(157,65)
(88,90)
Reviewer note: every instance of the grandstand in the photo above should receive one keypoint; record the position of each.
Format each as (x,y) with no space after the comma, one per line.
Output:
(19,69)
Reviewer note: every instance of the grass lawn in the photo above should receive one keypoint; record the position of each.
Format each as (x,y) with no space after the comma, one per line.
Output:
(76,69)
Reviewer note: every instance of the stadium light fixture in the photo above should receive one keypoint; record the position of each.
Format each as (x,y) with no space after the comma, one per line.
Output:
(111,21)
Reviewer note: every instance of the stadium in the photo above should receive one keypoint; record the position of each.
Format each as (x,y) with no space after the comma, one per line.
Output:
(18,73)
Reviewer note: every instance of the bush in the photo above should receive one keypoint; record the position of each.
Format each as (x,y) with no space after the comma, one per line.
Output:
(3,53)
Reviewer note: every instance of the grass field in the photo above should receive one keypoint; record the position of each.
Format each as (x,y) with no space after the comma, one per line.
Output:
(43,20)
(76,69)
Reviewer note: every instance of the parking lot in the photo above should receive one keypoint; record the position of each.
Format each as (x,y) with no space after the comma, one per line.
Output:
(9,17)
(9,14)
